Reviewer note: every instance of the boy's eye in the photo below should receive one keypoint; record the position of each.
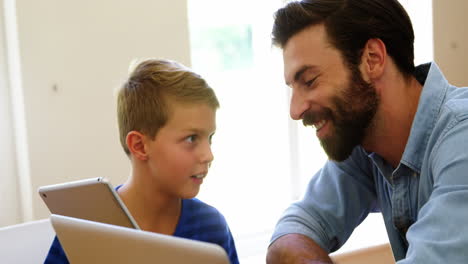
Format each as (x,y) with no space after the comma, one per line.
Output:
(191,138)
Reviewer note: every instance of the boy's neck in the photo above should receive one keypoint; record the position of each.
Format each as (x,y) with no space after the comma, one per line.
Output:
(152,211)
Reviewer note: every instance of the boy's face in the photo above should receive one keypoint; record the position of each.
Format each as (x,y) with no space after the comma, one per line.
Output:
(180,155)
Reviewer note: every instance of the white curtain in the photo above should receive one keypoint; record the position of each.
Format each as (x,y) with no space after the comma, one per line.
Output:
(9,198)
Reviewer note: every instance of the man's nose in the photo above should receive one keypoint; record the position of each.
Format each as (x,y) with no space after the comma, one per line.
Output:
(298,106)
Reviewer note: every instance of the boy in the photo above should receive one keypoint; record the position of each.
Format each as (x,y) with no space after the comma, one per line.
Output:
(166,116)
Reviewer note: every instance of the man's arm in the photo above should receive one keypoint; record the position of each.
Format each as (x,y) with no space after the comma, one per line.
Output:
(338,198)
(296,248)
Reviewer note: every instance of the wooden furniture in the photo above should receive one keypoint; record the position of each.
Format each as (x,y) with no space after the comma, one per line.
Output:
(380,254)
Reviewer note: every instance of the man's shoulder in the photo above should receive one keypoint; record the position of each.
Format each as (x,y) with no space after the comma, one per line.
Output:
(451,125)
(456,105)
(453,113)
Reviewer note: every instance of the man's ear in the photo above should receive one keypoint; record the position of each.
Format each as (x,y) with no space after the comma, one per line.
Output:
(373,59)
(136,145)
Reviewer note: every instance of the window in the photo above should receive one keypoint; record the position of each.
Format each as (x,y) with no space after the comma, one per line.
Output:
(248,181)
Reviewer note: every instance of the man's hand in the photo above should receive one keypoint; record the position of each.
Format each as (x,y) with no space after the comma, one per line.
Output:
(296,248)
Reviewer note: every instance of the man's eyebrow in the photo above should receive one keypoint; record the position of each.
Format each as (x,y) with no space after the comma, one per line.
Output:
(299,73)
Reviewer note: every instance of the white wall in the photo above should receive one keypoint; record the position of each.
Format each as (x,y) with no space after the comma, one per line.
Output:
(72,56)
(451,39)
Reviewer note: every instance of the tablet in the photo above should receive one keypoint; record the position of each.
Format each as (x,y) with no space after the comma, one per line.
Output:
(91,199)
(92,242)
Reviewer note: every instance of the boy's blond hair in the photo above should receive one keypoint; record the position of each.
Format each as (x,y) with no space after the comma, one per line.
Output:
(142,101)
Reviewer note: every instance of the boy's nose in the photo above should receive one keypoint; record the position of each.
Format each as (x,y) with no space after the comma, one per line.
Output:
(207,154)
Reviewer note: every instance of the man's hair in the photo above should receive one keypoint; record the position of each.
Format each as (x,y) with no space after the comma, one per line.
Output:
(349,25)
(142,101)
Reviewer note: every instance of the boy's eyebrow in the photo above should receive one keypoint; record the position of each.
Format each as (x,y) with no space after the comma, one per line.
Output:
(197,131)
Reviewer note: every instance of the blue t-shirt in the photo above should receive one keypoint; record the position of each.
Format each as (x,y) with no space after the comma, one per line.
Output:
(198,221)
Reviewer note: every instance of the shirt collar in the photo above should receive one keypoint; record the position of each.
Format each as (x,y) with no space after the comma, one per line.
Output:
(430,102)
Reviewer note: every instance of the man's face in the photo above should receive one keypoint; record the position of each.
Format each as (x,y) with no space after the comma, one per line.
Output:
(328,94)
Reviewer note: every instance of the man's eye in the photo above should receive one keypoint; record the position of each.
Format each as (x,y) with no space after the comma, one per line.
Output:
(309,83)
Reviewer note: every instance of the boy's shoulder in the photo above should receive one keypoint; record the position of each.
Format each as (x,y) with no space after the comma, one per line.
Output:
(203,222)
(196,205)
(196,211)
(197,217)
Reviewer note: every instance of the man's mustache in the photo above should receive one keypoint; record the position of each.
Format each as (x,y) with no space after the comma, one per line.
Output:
(311,117)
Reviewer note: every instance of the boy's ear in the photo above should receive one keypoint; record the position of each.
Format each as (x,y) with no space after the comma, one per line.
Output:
(136,145)
(373,59)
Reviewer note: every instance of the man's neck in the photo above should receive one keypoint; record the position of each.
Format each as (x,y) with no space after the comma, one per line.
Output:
(391,129)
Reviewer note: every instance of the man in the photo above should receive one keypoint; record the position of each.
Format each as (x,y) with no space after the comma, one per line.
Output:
(396,135)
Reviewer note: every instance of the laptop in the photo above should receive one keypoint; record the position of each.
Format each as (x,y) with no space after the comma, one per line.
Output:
(91,199)
(91,242)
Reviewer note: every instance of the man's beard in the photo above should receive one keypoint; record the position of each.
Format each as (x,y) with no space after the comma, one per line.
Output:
(353,113)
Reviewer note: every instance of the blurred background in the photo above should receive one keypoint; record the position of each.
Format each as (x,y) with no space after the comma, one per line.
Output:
(61,61)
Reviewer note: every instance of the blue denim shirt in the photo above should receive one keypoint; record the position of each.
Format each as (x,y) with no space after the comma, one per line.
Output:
(424,201)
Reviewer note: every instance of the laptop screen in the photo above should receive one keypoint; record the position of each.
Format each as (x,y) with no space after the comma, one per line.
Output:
(92,242)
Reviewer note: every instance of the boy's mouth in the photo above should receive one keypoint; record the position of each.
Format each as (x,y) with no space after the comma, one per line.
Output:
(199,176)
